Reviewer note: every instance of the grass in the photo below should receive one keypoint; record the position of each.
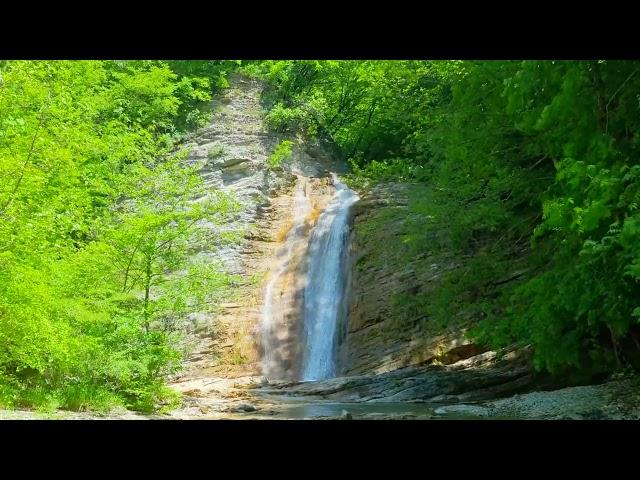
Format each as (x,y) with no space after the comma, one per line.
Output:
(43,399)
(314,214)
(83,397)
(215,152)
(243,349)
(282,233)
(237,358)
(257,278)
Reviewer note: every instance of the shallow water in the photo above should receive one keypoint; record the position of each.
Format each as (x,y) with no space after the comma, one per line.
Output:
(295,410)
(311,410)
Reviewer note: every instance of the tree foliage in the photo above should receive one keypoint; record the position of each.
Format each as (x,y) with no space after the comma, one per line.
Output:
(96,213)
(528,167)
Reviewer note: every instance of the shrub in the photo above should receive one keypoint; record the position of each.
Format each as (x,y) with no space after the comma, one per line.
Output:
(281,153)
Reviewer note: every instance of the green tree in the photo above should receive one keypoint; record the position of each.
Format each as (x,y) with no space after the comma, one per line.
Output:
(90,186)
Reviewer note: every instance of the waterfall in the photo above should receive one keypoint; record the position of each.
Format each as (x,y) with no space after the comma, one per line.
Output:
(323,296)
(319,257)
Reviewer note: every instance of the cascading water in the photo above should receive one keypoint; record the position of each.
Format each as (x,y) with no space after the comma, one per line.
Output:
(323,296)
(275,306)
(319,301)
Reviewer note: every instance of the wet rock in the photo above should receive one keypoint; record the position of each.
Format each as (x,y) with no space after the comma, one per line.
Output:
(241,408)
(481,378)
(573,416)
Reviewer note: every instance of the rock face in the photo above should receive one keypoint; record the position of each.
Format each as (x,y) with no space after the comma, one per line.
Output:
(234,148)
(482,377)
(381,336)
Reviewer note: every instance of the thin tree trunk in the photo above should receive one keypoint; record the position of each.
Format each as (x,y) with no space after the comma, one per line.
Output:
(372,109)
(147,290)
(615,348)
(24,167)
(126,272)
(606,107)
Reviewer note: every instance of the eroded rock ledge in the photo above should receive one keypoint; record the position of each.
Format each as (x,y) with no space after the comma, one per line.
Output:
(481,377)
(380,337)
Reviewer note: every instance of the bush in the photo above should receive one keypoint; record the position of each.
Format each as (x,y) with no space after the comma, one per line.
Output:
(282,152)
(283,119)
(215,152)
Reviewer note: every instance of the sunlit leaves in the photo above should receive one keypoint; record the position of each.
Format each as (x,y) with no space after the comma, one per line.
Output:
(89,198)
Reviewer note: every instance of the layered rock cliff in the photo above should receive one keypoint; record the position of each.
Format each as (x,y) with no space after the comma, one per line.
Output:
(381,335)
(235,147)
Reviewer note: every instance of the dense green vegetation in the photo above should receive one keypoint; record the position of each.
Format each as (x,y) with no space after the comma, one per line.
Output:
(95,225)
(282,152)
(529,173)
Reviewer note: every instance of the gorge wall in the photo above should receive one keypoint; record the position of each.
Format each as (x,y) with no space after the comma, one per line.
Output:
(235,147)
(381,335)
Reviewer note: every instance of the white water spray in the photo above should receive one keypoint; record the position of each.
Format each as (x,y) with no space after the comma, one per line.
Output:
(324,294)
